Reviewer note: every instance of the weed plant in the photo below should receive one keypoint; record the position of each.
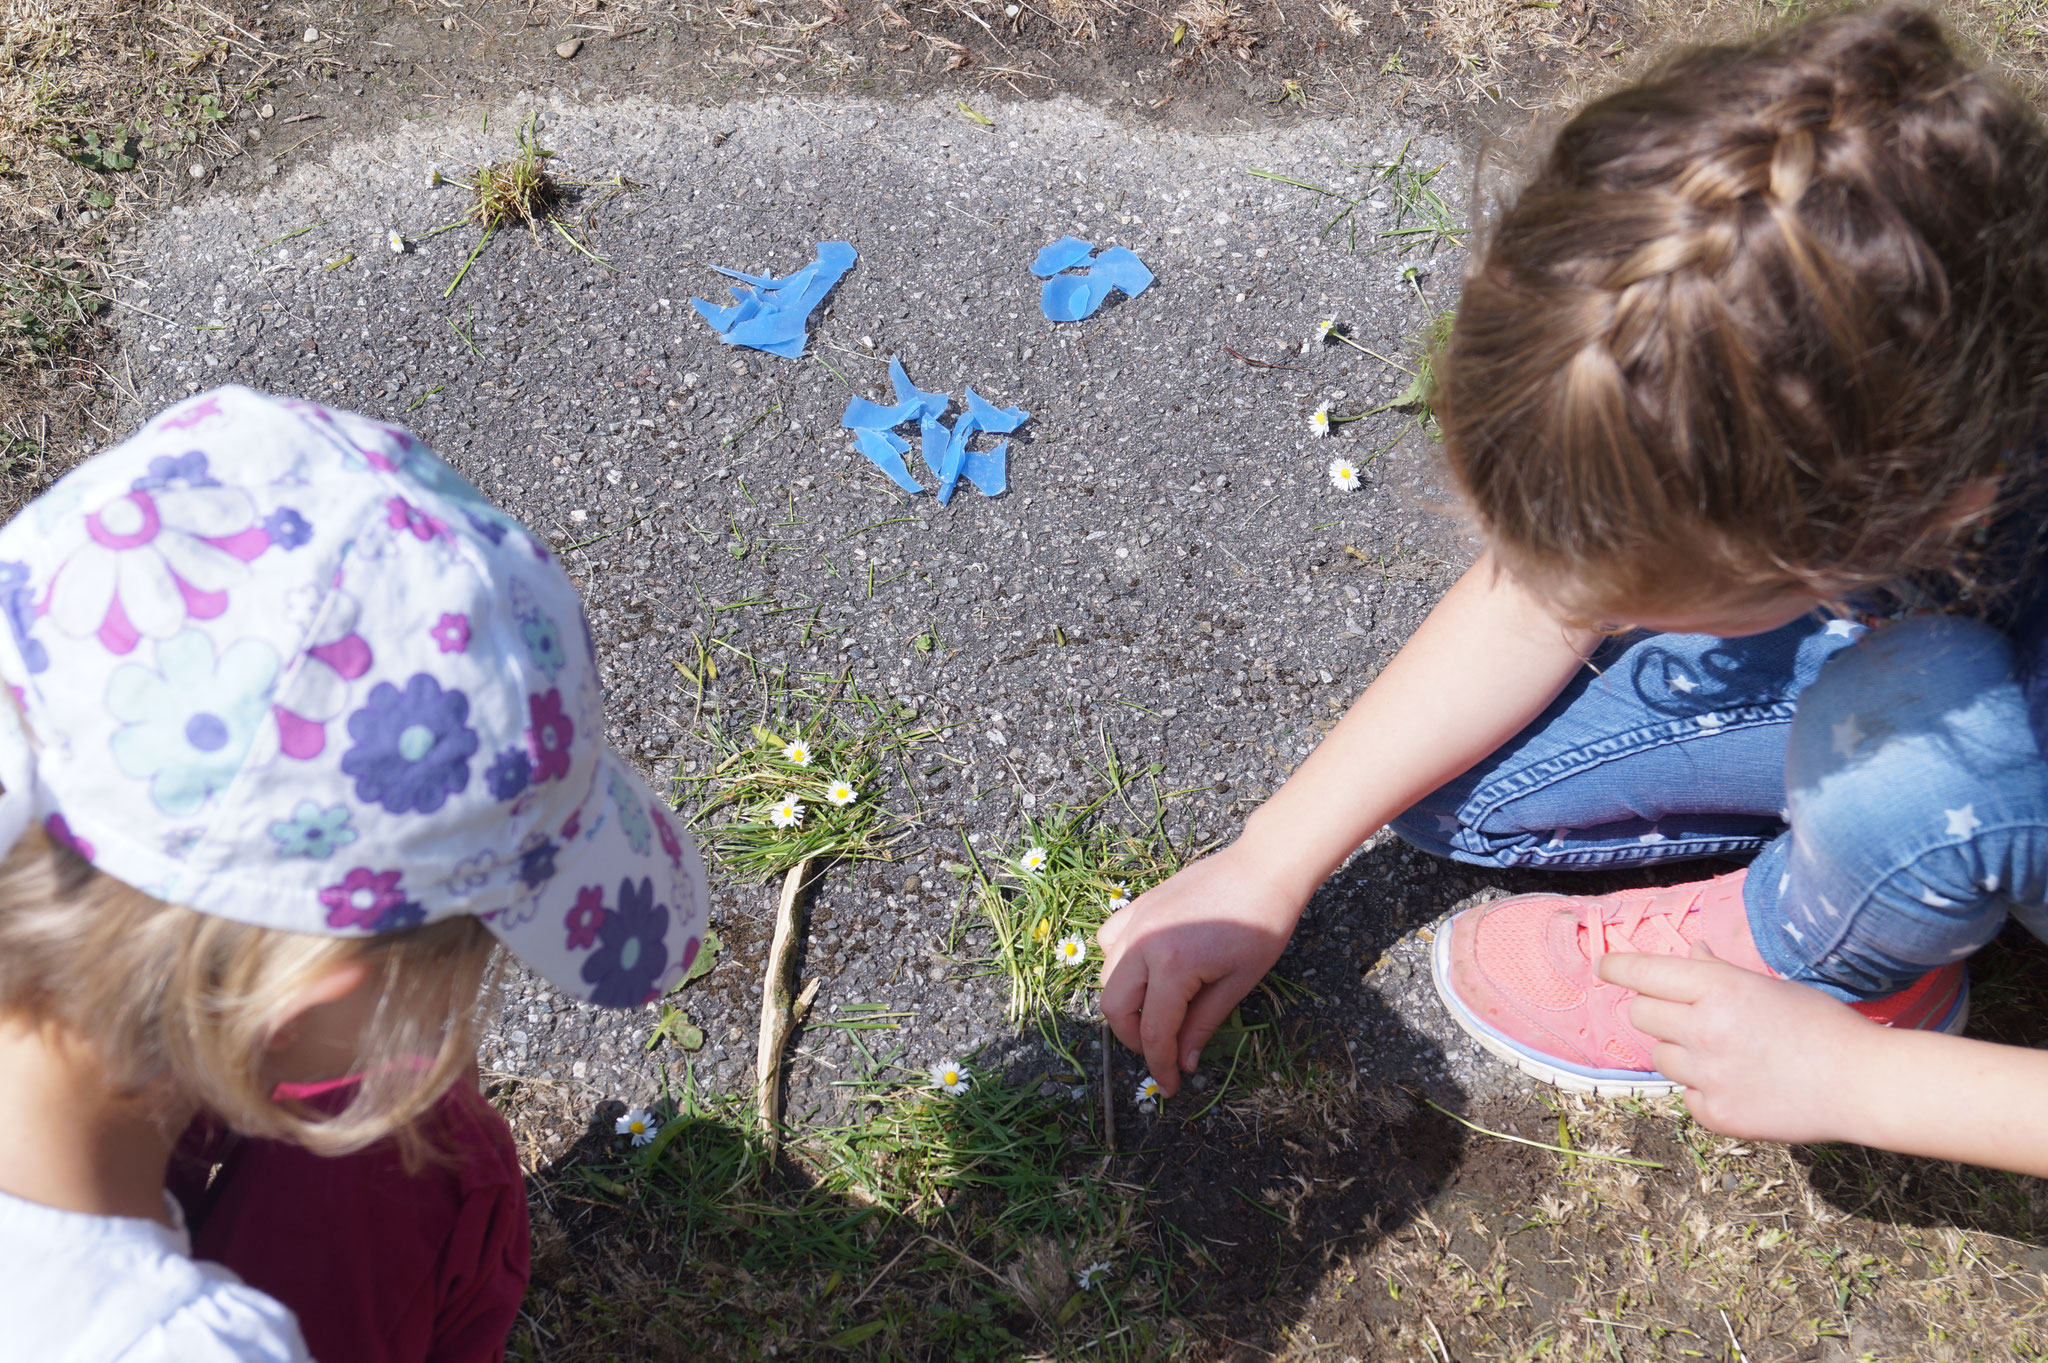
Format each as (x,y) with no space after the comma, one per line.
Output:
(844,736)
(1421,217)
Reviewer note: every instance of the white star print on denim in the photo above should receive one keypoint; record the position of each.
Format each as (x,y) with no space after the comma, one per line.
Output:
(1844,629)
(1848,737)
(1963,823)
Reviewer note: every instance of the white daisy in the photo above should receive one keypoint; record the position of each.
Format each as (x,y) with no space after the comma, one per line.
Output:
(788,814)
(1319,420)
(798,752)
(1119,896)
(1325,327)
(842,793)
(1033,860)
(396,241)
(638,1123)
(949,1078)
(1148,1091)
(1087,1277)
(1071,951)
(1344,475)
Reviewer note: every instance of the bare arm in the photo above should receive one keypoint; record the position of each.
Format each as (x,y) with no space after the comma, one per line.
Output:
(1485,662)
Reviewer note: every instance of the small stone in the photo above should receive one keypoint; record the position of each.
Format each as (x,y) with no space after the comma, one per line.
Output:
(1198,1082)
(197,172)
(312,35)
(267,111)
(911,885)
(448,24)
(691,380)
(568,48)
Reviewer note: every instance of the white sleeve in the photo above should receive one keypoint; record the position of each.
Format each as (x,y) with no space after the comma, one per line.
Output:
(226,1322)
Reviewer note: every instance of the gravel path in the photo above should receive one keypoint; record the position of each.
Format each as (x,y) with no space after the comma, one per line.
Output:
(1170,518)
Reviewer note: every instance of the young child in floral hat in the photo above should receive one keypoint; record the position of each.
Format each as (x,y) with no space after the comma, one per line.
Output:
(301,728)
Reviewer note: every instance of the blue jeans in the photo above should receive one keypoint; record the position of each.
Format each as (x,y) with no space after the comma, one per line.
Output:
(1887,781)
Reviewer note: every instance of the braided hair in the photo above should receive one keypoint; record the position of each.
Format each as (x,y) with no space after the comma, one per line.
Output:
(1759,322)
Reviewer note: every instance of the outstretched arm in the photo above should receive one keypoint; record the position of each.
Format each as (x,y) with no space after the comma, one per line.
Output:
(1485,663)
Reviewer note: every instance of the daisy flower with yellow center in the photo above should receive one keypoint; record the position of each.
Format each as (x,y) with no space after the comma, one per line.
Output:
(1119,896)
(638,1123)
(949,1078)
(1071,951)
(1088,1276)
(1319,420)
(1325,327)
(798,752)
(1344,475)
(788,814)
(842,793)
(396,241)
(1034,860)
(1148,1091)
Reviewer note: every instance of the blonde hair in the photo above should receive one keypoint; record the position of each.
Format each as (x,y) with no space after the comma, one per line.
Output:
(1759,322)
(173,1002)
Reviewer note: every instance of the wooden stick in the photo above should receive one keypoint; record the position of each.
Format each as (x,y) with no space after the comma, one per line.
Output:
(1108,1088)
(779,1007)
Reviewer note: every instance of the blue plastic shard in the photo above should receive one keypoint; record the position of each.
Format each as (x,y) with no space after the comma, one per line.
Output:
(955,458)
(863,415)
(885,451)
(1063,254)
(988,470)
(988,417)
(771,314)
(929,404)
(1072,297)
(1122,268)
(933,437)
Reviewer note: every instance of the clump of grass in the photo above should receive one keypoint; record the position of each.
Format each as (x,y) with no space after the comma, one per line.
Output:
(1087,867)
(1207,26)
(518,189)
(845,738)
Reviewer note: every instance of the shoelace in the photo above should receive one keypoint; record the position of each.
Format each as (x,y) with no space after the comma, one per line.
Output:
(1668,908)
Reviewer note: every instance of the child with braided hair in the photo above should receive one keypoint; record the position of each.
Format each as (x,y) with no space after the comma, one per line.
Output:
(1748,390)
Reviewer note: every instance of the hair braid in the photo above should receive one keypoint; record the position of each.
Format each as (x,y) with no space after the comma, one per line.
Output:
(1758,319)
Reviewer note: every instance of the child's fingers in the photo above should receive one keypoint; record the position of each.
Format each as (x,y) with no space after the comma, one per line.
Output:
(1112,932)
(1662,1019)
(1665,977)
(1166,1006)
(1123,997)
(1205,1014)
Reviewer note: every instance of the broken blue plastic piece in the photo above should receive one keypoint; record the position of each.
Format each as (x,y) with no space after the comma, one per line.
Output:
(989,417)
(863,415)
(1063,254)
(885,450)
(1072,297)
(1122,268)
(929,404)
(988,470)
(771,314)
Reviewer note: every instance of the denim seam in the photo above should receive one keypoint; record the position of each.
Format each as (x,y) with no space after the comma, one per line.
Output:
(1671,849)
(1523,781)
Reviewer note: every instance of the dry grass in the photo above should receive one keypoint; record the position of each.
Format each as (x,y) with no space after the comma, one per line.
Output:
(104,112)
(1213,28)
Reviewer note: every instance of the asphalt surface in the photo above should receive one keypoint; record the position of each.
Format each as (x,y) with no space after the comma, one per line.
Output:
(1172,569)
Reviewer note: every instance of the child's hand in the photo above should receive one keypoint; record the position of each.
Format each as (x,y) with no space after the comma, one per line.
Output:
(1179,959)
(1760,1058)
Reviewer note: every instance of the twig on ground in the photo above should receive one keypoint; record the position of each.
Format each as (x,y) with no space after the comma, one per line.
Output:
(1108,1089)
(1543,1145)
(778,1008)
(1262,364)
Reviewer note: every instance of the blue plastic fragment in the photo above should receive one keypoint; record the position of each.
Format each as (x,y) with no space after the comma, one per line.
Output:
(929,404)
(988,470)
(1122,268)
(863,415)
(771,314)
(1071,297)
(989,417)
(943,449)
(1063,254)
(885,451)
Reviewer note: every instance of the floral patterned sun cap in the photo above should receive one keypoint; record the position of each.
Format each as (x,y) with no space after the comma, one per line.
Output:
(283,665)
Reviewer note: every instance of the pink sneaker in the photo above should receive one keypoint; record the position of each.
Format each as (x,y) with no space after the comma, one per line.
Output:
(1521,976)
